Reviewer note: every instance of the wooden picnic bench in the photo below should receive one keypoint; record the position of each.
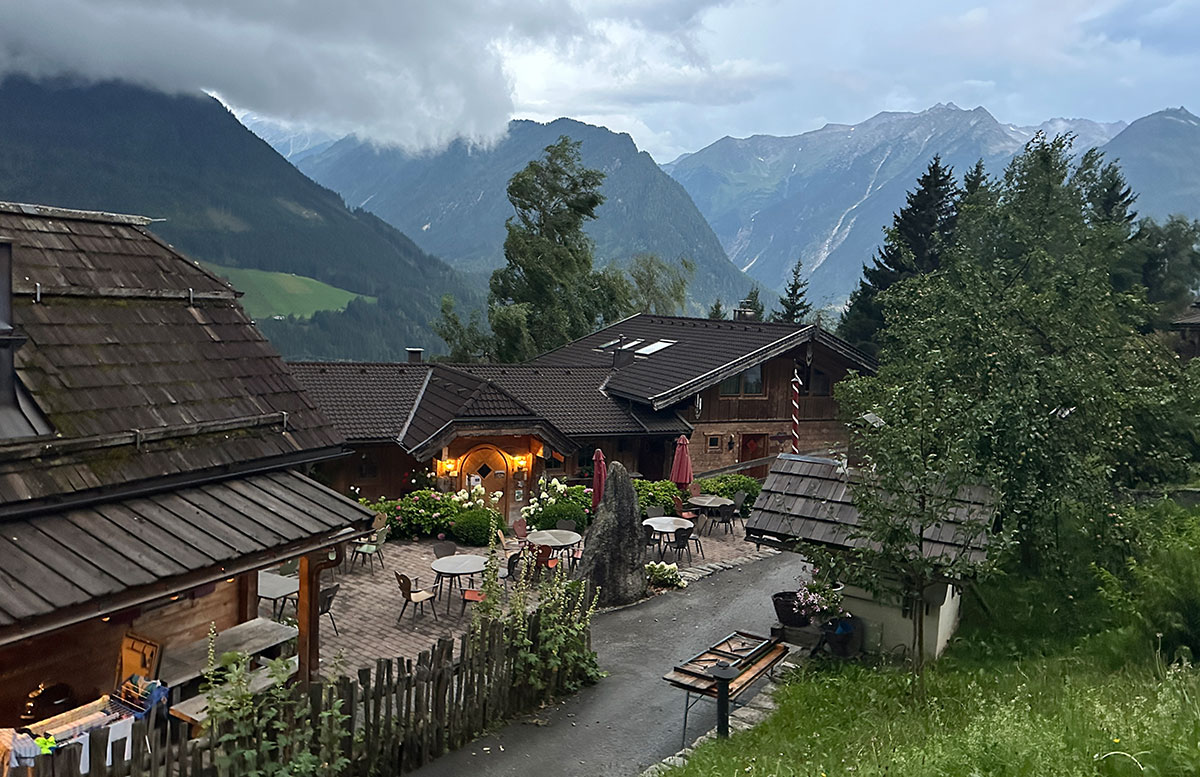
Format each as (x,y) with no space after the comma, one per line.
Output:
(180,666)
(194,711)
(752,655)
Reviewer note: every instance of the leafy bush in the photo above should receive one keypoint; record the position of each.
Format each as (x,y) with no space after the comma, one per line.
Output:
(1159,593)
(728,485)
(662,575)
(553,492)
(657,492)
(561,510)
(424,513)
(475,526)
(582,496)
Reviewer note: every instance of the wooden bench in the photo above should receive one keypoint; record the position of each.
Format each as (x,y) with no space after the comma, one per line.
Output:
(194,711)
(182,665)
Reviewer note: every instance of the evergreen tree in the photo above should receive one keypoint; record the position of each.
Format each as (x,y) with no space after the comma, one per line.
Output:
(753,303)
(794,307)
(717,311)
(921,231)
(547,293)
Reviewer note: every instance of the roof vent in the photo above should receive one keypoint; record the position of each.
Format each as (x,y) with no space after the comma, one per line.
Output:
(415,355)
(743,312)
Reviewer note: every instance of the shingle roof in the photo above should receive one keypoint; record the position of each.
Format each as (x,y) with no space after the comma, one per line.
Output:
(809,499)
(142,362)
(450,394)
(572,399)
(65,561)
(365,401)
(702,352)
(1189,319)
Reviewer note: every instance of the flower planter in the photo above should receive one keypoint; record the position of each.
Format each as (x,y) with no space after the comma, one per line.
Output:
(785,609)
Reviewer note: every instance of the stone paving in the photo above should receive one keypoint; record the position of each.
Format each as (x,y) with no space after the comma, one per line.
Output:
(369,602)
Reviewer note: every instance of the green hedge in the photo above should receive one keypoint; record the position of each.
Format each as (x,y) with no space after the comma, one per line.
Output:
(561,510)
(475,526)
(657,492)
(728,485)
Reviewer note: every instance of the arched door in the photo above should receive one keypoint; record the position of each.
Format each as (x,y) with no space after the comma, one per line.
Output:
(488,467)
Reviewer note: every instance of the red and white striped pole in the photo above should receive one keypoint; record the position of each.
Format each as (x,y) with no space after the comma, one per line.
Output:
(795,409)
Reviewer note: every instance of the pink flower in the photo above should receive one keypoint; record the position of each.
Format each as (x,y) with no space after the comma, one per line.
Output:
(441,535)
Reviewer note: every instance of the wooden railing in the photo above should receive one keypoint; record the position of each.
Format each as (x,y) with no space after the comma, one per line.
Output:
(402,714)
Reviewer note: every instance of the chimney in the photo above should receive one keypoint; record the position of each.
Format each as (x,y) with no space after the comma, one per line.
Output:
(415,355)
(743,312)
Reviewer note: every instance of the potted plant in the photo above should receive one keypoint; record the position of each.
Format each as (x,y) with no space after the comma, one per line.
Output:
(811,600)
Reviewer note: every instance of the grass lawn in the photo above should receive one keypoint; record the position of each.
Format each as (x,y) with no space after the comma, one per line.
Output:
(993,707)
(281,294)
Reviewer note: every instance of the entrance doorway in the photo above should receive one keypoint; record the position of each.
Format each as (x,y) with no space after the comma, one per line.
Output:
(486,466)
(754,446)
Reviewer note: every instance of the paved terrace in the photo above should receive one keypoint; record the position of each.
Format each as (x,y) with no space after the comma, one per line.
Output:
(368,602)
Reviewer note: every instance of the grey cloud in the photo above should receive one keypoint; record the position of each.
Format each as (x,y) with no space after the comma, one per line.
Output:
(416,74)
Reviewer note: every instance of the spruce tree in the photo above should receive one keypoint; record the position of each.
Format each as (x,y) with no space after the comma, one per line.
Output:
(921,231)
(754,303)
(794,307)
(717,311)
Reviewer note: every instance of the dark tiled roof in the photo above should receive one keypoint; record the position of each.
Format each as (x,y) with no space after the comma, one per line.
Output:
(572,399)
(64,561)
(365,401)
(450,394)
(703,352)
(143,362)
(1190,318)
(809,499)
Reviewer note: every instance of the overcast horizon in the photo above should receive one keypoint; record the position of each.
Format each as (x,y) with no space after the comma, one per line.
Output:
(675,75)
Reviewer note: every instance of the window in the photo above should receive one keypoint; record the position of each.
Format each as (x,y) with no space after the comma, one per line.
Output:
(749,383)
(368,468)
(655,347)
(714,442)
(631,344)
(610,343)
(820,384)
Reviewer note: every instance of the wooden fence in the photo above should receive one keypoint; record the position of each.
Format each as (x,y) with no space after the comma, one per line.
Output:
(402,714)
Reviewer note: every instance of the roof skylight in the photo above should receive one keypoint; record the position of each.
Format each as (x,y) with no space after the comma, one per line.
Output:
(631,344)
(655,347)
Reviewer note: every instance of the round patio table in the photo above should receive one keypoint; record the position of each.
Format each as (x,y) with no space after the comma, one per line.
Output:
(555,538)
(709,500)
(454,567)
(668,524)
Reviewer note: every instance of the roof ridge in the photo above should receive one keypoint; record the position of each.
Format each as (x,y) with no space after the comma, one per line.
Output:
(51,211)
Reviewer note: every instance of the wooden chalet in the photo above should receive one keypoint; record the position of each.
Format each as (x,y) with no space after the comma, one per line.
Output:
(808,501)
(630,390)
(150,442)
(732,380)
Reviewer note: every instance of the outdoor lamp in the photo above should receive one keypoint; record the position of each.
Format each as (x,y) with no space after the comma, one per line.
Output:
(722,672)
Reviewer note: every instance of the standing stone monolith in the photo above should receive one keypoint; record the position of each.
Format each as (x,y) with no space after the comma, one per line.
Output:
(614,554)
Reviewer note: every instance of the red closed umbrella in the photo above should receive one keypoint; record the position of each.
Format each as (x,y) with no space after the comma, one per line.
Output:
(681,468)
(599,475)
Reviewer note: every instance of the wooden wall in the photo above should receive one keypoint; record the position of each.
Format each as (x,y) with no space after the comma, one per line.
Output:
(376,470)
(84,656)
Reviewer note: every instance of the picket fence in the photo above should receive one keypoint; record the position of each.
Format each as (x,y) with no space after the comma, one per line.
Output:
(402,714)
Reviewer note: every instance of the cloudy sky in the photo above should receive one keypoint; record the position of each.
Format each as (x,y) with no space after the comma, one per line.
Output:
(675,74)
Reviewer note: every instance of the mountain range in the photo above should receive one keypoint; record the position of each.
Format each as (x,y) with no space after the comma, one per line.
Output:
(825,196)
(223,196)
(453,202)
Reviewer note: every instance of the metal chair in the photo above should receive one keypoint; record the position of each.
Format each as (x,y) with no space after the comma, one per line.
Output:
(565,524)
(545,558)
(441,550)
(370,549)
(510,571)
(416,596)
(650,537)
(739,499)
(325,603)
(654,511)
(724,517)
(680,542)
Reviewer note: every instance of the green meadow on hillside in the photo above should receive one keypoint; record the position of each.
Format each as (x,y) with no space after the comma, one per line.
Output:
(281,294)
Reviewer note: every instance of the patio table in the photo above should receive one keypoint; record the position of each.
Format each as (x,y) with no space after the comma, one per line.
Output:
(668,524)
(707,503)
(277,589)
(555,538)
(454,567)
